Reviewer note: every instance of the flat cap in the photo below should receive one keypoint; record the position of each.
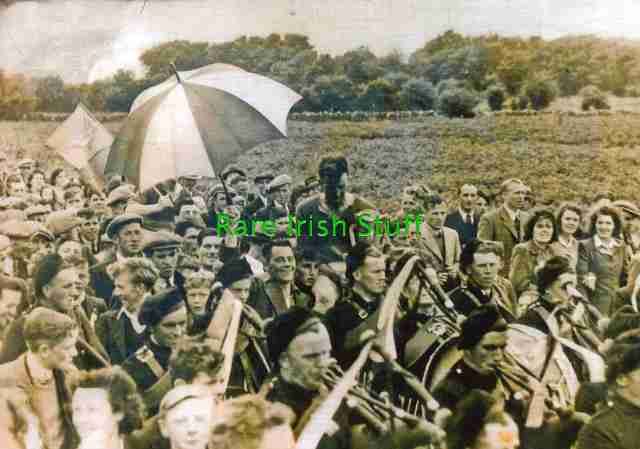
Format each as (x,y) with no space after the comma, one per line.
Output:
(39,209)
(156,307)
(161,240)
(17,229)
(218,188)
(121,193)
(121,220)
(264,176)
(284,328)
(62,221)
(43,234)
(278,182)
(233,271)
(627,206)
(24,162)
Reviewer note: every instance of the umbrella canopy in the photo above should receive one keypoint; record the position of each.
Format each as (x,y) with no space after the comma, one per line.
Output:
(197,122)
(82,141)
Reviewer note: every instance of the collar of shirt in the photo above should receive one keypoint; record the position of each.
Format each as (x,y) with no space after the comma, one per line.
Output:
(464,215)
(133,319)
(566,243)
(512,214)
(610,245)
(39,374)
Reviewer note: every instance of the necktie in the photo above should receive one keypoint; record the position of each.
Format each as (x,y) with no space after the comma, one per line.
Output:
(467,219)
(516,222)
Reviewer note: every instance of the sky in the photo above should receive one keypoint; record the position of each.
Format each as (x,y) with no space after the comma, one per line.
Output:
(84,40)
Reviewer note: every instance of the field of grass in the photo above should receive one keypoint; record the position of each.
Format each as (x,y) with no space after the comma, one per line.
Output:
(560,156)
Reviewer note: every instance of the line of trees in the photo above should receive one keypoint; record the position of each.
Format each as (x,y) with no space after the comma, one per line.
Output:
(451,73)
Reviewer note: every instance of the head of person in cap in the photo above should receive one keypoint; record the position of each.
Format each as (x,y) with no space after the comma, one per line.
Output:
(483,339)
(118,199)
(185,417)
(261,181)
(165,315)
(235,276)
(333,172)
(105,407)
(217,198)
(38,212)
(127,233)
(189,182)
(189,231)
(56,285)
(300,347)
(630,214)
(279,190)
(557,282)
(26,168)
(164,249)
(237,180)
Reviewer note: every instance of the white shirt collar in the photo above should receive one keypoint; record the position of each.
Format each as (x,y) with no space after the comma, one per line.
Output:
(133,319)
(613,243)
(463,214)
(566,243)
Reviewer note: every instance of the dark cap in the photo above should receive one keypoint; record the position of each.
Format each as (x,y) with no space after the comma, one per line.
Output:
(162,240)
(266,176)
(156,307)
(284,328)
(279,182)
(120,221)
(232,169)
(233,271)
(480,322)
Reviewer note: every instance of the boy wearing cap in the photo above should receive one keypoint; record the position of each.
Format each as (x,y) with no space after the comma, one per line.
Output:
(163,249)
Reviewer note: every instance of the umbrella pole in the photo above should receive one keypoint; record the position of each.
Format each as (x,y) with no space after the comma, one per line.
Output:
(226,191)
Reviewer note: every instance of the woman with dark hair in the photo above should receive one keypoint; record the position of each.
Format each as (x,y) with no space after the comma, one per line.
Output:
(479,422)
(105,408)
(568,218)
(37,181)
(602,259)
(540,232)
(483,203)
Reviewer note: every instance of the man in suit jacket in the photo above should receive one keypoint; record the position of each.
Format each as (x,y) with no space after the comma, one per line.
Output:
(126,231)
(440,245)
(464,219)
(120,331)
(506,223)
(35,382)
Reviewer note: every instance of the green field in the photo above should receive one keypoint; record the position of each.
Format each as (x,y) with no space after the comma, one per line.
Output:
(560,156)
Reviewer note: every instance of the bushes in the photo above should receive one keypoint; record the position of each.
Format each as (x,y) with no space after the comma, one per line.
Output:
(457,102)
(495,98)
(418,94)
(592,97)
(540,94)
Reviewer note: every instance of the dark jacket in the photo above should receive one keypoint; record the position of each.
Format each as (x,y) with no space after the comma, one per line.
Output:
(496,225)
(117,335)
(466,231)
(617,426)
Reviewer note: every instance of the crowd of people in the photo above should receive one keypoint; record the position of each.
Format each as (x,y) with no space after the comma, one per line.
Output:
(470,321)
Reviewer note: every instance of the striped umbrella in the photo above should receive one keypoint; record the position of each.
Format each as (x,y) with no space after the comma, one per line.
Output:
(197,122)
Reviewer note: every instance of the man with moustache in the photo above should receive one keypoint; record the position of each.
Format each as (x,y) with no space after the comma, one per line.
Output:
(127,233)
(464,219)
(334,204)
(506,223)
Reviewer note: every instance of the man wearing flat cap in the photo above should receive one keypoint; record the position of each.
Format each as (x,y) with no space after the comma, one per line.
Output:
(127,234)
(334,203)
(217,203)
(630,214)
(163,249)
(279,192)
(165,318)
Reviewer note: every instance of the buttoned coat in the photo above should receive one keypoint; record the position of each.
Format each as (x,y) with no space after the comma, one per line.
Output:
(497,225)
